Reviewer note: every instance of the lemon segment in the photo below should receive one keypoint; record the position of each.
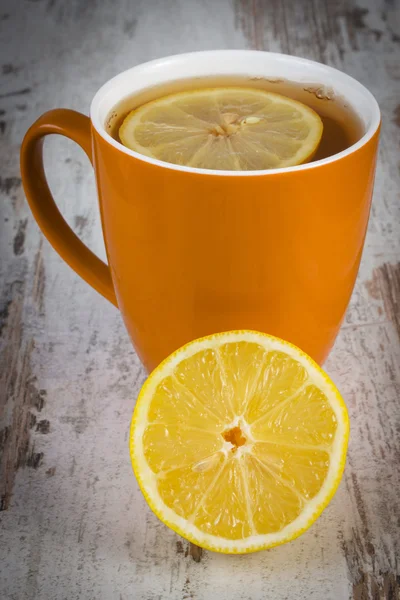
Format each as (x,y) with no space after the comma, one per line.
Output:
(238,441)
(234,129)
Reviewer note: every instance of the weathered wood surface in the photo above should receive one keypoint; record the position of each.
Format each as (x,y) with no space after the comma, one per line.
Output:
(73,523)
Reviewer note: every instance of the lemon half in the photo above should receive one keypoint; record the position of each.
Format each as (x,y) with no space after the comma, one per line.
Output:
(238,441)
(236,129)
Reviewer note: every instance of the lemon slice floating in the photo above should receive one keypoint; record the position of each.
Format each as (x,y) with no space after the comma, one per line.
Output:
(238,441)
(235,129)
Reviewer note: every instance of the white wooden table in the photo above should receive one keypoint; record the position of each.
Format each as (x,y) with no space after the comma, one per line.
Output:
(74,524)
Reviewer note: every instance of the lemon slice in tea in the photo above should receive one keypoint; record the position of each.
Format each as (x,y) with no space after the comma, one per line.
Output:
(237,129)
(238,441)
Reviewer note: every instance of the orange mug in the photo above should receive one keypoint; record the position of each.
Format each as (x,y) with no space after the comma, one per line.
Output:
(193,252)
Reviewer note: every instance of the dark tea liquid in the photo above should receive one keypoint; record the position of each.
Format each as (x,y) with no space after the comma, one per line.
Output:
(342,126)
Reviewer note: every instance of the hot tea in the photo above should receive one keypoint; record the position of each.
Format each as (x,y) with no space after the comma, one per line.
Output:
(341,125)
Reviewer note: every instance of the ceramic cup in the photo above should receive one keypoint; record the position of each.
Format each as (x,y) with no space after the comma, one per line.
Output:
(193,252)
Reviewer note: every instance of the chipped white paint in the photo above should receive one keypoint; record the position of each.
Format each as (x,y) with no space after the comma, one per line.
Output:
(75,524)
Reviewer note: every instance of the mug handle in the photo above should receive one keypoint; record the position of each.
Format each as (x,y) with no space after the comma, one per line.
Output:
(76,127)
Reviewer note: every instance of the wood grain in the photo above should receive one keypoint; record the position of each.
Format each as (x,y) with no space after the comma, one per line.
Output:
(73,521)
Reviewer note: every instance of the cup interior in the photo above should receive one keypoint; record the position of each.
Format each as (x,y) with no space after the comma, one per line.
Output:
(236,63)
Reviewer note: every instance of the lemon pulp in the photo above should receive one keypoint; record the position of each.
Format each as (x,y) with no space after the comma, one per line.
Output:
(236,129)
(238,441)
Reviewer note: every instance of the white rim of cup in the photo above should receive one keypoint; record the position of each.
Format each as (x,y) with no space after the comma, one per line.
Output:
(167,61)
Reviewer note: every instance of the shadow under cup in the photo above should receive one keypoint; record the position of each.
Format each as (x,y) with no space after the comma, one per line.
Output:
(193,252)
